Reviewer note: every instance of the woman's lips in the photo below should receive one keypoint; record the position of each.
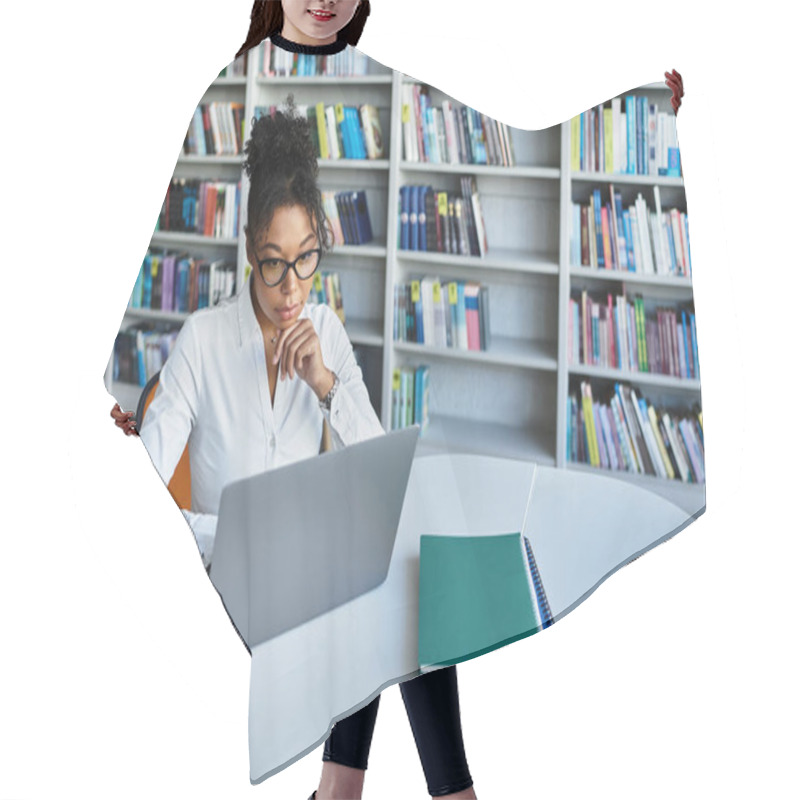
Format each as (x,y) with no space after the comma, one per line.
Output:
(288,312)
(322,16)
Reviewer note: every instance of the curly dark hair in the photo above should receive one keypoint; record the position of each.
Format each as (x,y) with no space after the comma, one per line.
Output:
(281,164)
(266,18)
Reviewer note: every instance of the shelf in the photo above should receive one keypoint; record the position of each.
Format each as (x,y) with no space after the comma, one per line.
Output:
(354,163)
(165,316)
(632,277)
(548,173)
(524,353)
(499,259)
(364,331)
(321,80)
(531,208)
(621,177)
(364,250)
(688,496)
(455,435)
(235,161)
(172,238)
(642,378)
(235,80)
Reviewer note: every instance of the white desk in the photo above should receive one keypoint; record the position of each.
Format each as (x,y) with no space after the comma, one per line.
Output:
(582,527)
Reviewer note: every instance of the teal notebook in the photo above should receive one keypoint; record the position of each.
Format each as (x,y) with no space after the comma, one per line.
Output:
(477,593)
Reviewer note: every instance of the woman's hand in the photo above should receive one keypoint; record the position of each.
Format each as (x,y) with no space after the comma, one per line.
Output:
(124,420)
(298,351)
(675,82)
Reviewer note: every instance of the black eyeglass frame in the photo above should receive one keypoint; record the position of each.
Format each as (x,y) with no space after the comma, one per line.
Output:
(287,265)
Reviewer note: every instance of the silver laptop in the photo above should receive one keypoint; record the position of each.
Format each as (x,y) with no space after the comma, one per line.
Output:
(295,542)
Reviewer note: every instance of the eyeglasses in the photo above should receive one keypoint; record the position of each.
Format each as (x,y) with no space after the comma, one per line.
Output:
(274,270)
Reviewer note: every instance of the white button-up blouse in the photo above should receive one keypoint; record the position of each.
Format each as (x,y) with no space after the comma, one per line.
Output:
(214,393)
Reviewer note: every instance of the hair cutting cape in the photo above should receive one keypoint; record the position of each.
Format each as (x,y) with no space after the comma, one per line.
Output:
(522,300)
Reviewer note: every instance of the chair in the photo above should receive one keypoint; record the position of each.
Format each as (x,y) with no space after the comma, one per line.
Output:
(180,485)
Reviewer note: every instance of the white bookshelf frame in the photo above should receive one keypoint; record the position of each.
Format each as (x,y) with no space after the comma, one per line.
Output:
(544,364)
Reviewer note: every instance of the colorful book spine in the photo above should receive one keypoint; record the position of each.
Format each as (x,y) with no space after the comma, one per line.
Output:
(635,434)
(453,315)
(275,61)
(410,399)
(622,333)
(451,133)
(639,140)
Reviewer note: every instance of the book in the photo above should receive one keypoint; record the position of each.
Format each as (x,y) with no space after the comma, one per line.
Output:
(326,290)
(436,220)
(275,61)
(179,282)
(632,239)
(339,130)
(451,133)
(410,399)
(471,291)
(141,349)
(637,435)
(623,333)
(207,208)
(476,594)
(216,129)
(440,315)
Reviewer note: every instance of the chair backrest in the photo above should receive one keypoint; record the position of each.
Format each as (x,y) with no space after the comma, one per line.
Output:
(180,485)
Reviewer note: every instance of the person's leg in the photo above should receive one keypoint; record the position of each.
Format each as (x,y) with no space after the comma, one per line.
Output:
(433,710)
(346,753)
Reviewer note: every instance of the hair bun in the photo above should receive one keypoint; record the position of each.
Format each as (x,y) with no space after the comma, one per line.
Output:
(280,143)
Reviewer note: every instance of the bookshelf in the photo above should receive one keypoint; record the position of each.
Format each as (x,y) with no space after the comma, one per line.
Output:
(510,400)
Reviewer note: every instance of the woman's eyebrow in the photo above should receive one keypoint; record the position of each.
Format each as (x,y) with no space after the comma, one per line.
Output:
(274,246)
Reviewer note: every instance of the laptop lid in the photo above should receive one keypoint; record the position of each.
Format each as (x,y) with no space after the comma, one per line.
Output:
(297,541)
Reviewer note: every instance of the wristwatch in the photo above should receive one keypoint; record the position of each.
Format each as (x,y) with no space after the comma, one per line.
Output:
(325,403)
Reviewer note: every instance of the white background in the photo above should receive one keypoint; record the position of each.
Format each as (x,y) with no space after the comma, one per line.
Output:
(120,675)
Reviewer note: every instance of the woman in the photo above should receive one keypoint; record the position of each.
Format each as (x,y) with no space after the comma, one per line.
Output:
(285,237)
(268,367)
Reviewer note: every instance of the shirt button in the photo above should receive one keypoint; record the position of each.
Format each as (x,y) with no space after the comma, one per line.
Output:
(272,441)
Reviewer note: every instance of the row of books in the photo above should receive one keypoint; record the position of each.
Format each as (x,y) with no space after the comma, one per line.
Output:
(216,129)
(635,239)
(441,222)
(275,61)
(410,397)
(627,433)
(326,290)
(452,133)
(348,214)
(637,141)
(236,69)
(453,314)
(180,282)
(616,332)
(207,208)
(141,350)
(339,131)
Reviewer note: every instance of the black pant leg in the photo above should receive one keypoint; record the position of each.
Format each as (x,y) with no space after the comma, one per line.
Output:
(351,737)
(433,710)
